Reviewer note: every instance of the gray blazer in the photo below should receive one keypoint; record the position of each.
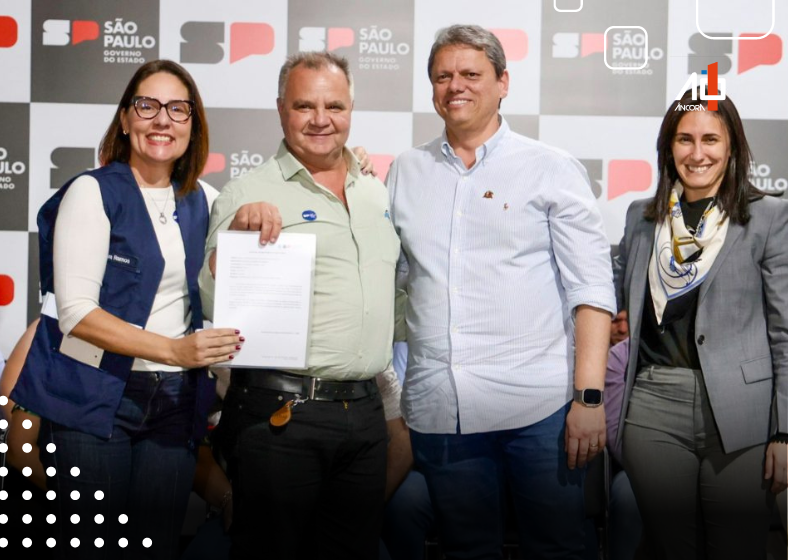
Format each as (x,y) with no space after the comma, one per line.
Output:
(741,326)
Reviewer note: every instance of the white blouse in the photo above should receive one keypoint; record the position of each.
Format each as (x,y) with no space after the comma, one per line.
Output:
(81,245)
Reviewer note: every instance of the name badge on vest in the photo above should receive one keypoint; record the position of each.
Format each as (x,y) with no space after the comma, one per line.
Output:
(72,346)
(81,350)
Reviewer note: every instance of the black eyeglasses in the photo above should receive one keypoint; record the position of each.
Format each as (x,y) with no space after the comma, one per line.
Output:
(179,110)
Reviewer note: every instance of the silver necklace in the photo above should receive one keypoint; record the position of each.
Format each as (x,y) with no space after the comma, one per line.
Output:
(162,217)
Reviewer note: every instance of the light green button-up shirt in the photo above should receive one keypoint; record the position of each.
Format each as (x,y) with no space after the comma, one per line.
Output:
(353,300)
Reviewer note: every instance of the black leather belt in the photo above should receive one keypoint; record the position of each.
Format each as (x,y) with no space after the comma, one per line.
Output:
(313,387)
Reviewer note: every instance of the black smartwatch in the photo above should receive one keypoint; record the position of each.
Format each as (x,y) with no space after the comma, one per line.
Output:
(589,397)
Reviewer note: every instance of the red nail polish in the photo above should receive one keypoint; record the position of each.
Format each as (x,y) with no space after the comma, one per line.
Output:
(242,339)
(237,346)
(231,356)
(237,331)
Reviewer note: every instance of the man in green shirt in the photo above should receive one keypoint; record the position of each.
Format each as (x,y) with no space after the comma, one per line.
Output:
(313,487)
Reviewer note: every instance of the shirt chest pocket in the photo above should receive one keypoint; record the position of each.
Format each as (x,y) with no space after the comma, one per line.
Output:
(377,243)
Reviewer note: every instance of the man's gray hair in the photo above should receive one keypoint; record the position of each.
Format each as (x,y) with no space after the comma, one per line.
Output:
(472,36)
(314,60)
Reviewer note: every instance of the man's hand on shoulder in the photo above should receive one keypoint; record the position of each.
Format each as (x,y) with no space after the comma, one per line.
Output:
(367,167)
(259,216)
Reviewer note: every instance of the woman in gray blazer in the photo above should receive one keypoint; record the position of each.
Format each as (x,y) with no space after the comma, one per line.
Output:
(703,272)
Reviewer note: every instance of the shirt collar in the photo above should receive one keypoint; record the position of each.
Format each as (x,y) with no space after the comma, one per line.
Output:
(482,151)
(290,166)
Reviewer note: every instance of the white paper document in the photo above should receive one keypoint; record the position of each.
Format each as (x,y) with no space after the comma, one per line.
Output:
(266,293)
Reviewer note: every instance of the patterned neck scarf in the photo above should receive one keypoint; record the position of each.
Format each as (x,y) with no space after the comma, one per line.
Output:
(672,271)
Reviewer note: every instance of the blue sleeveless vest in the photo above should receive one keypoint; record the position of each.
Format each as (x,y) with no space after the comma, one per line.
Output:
(75,394)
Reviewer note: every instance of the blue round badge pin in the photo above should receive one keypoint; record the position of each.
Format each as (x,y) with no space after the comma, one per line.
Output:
(309,215)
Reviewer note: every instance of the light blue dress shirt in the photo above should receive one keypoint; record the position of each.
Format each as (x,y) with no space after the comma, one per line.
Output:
(498,257)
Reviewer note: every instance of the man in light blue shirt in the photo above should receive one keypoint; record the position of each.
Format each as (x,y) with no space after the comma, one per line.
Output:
(510,299)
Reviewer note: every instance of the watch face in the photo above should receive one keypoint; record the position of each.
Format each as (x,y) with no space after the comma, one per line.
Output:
(592,396)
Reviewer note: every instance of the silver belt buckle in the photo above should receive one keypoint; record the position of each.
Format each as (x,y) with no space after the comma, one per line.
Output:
(311,389)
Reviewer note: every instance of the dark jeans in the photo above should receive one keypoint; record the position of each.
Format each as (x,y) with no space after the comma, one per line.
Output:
(407,520)
(467,474)
(15,529)
(144,471)
(625,527)
(312,489)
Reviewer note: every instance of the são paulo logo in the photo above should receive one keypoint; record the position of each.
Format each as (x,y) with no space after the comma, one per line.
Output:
(122,40)
(378,47)
(203,40)
(9,170)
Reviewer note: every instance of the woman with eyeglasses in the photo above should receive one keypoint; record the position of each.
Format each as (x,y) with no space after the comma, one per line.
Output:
(118,366)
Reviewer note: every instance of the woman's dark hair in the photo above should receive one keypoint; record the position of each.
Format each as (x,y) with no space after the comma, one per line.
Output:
(115,145)
(735,192)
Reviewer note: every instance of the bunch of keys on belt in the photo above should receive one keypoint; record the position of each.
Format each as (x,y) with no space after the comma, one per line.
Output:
(283,415)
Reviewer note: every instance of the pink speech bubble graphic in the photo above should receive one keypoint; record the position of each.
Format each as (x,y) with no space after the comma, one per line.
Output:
(591,43)
(247,39)
(84,31)
(627,175)
(339,37)
(7,286)
(768,50)
(9,32)
(216,162)
(382,162)
(514,43)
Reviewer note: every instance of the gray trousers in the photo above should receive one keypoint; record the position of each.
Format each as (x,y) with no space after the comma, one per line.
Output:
(696,501)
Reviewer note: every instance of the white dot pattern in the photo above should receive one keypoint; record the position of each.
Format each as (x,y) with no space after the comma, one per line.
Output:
(27,424)
(51,518)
